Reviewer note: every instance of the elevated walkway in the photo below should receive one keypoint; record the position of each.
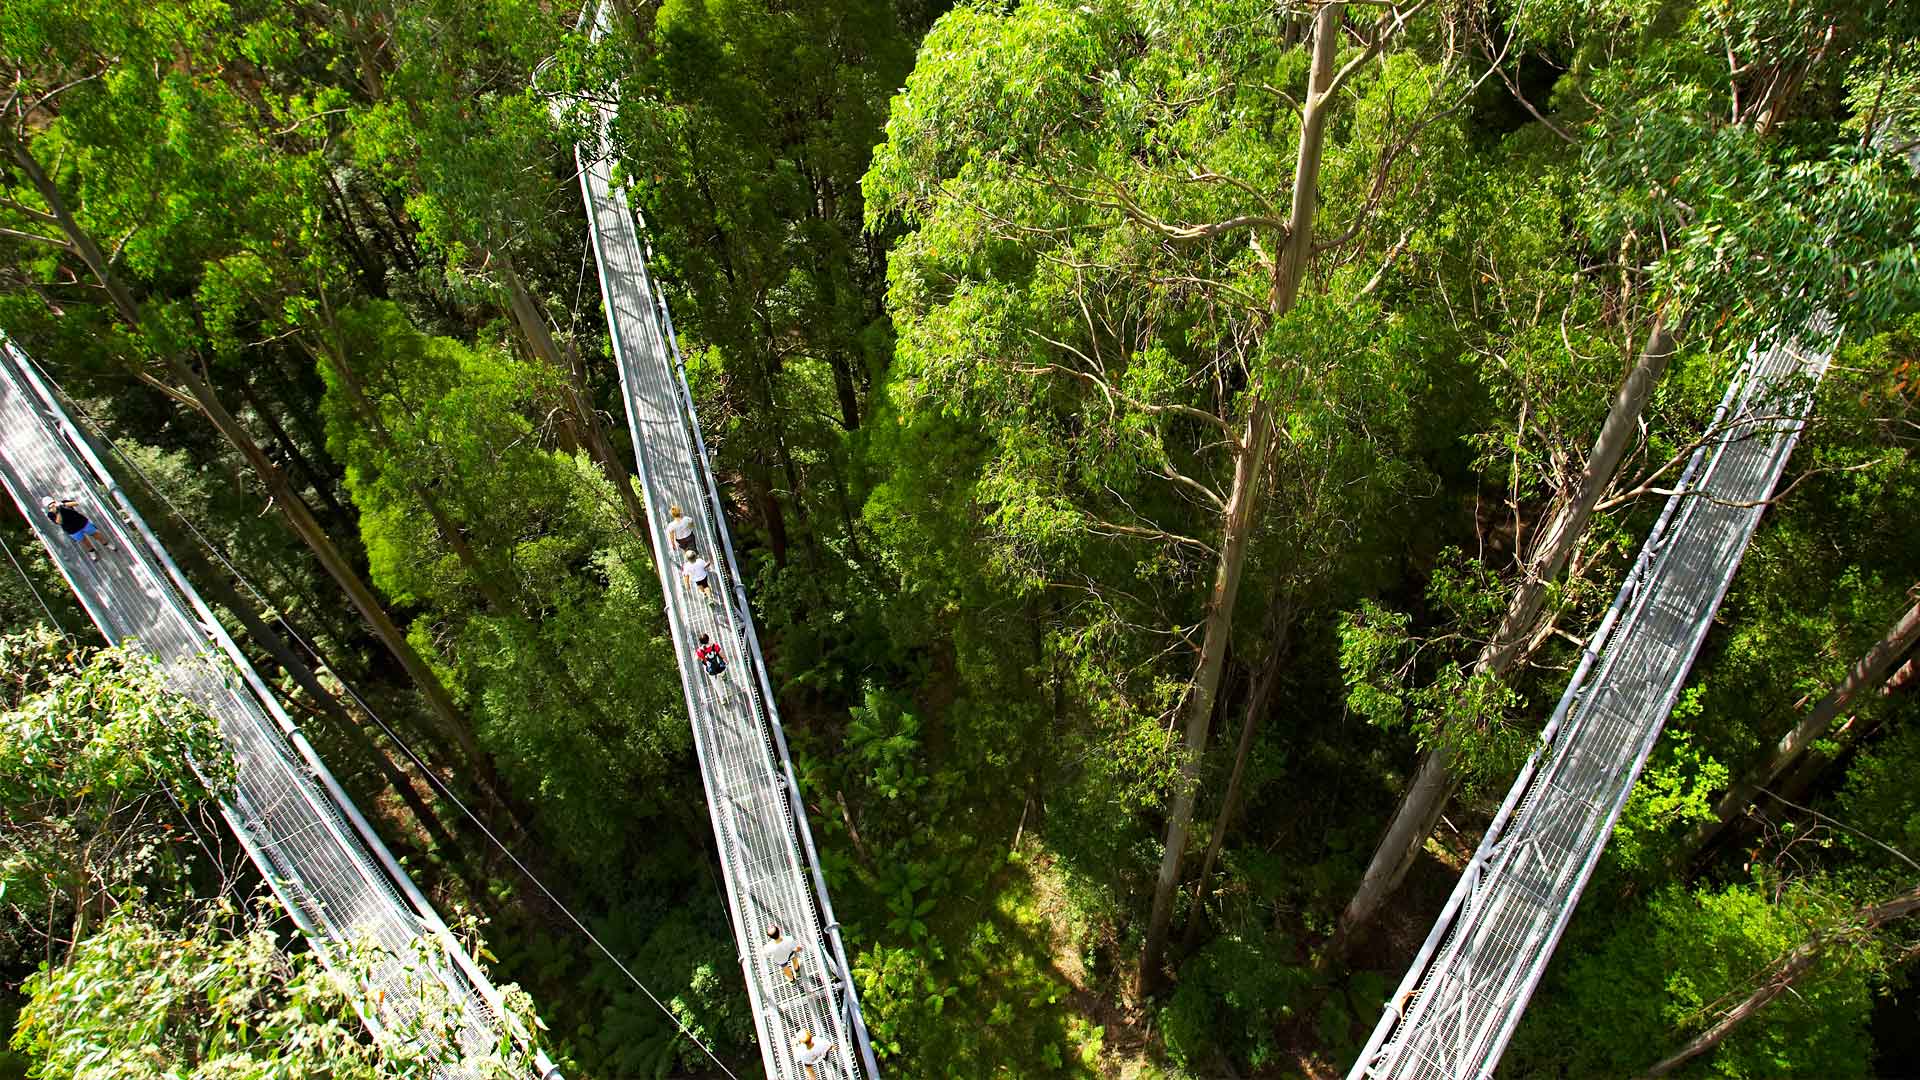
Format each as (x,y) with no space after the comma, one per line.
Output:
(1462,999)
(319,855)
(770,868)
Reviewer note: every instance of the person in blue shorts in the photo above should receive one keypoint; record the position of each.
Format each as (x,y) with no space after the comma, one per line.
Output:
(66,514)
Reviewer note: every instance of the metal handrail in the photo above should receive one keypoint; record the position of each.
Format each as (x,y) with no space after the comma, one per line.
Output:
(765,842)
(1439,999)
(385,886)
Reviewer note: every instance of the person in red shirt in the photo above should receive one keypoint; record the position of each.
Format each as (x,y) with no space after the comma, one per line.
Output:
(710,657)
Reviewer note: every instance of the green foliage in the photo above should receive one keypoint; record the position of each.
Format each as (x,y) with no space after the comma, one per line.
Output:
(539,575)
(1442,695)
(1231,998)
(1676,790)
(1757,230)
(971,394)
(1670,966)
(205,991)
(98,758)
(88,746)
(216,997)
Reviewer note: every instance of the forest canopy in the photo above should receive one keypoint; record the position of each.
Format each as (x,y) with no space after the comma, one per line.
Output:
(1177,455)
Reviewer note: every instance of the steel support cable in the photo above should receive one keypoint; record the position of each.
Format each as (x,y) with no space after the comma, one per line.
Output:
(432,777)
(1462,997)
(35,590)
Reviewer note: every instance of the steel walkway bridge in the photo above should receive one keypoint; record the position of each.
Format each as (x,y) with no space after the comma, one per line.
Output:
(1459,1004)
(770,868)
(319,855)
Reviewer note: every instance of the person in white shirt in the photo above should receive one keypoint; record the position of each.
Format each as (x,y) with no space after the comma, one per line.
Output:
(697,573)
(784,952)
(680,528)
(809,1051)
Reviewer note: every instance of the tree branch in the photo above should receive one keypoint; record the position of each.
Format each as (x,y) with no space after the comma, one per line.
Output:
(1115,529)
(1211,496)
(1113,394)
(60,242)
(1373,47)
(1130,207)
(29,212)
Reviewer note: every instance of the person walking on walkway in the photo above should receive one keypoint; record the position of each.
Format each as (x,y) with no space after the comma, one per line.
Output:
(809,1052)
(784,952)
(710,657)
(680,528)
(696,572)
(66,514)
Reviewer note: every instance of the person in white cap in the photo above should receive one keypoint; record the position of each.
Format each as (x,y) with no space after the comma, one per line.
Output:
(696,572)
(66,514)
(809,1051)
(784,952)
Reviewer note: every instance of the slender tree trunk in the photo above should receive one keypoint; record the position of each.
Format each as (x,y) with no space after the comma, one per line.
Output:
(397,238)
(639,16)
(1249,479)
(809,535)
(583,418)
(359,594)
(1281,631)
(1787,971)
(843,495)
(843,388)
(1434,782)
(301,395)
(372,271)
(1792,785)
(1866,673)
(321,485)
(760,484)
(1554,546)
(1248,476)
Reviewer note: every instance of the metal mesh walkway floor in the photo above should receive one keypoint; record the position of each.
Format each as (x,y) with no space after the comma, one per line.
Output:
(770,868)
(311,844)
(1459,1004)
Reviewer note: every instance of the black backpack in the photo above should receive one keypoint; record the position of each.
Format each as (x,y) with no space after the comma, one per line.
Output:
(714,663)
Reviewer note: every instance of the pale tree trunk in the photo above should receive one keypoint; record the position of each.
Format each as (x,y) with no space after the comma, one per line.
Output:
(1866,673)
(1434,782)
(298,515)
(1792,785)
(1249,482)
(1280,630)
(583,419)
(1785,972)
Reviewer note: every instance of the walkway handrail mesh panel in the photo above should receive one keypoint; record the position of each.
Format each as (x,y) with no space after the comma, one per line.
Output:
(1452,1015)
(319,855)
(769,866)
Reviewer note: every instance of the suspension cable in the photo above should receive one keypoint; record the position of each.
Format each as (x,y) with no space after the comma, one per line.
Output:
(432,777)
(35,590)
